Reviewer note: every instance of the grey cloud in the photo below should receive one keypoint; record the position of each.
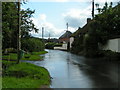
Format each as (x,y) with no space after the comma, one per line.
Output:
(75,22)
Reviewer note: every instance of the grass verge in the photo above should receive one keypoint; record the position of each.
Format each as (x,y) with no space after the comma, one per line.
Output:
(24,75)
(27,56)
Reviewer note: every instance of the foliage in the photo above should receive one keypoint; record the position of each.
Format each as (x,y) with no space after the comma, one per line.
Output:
(27,56)
(104,26)
(32,44)
(24,75)
(39,53)
(10,24)
(58,45)
(77,45)
(50,45)
(108,20)
(27,24)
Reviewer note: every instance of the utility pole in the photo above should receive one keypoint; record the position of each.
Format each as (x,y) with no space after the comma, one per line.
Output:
(67,35)
(42,33)
(18,34)
(67,26)
(49,35)
(93,9)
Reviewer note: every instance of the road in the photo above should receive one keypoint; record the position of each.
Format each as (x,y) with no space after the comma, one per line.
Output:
(72,71)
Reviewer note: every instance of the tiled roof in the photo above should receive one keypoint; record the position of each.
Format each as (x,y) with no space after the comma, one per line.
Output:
(66,34)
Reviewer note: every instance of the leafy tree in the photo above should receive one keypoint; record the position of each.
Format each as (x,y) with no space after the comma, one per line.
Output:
(109,20)
(27,24)
(10,23)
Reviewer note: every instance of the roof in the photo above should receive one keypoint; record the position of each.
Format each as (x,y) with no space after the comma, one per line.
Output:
(87,27)
(66,35)
(77,32)
(83,30)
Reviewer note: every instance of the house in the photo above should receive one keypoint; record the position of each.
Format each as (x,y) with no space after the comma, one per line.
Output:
(65,37)
(113,42)
(80,31)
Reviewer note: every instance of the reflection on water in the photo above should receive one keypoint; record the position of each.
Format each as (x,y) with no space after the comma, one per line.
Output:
(72,71)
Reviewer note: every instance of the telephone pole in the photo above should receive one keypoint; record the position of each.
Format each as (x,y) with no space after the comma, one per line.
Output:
(93,9)
(67,36)
(18,34)
(67,26)
(42,33)
(49,35)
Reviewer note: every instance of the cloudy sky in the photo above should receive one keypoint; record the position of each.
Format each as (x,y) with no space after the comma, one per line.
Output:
(54,14)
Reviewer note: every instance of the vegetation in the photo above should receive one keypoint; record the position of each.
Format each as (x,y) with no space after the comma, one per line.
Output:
(103,27)
(10,30)
(10,24)
(77,45)
(27,56)
(24,75)
(32,44)
(51,45)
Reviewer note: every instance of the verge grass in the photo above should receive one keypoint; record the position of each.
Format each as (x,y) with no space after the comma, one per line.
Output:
(27,56)
(24,75)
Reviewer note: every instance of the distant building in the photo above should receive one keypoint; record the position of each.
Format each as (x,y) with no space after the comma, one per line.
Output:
(65,37)
(55,40)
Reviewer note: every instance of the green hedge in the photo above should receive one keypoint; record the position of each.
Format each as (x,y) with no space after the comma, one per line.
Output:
(32,45)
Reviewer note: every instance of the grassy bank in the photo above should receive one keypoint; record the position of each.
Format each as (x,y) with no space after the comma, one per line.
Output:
(27,56)
(24,75)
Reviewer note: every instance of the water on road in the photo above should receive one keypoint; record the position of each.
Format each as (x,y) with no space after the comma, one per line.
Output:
(72,71)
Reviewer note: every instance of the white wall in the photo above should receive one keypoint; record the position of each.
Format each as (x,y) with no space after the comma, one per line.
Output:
(119,45)
(71,41)
(64,47)
(113,44)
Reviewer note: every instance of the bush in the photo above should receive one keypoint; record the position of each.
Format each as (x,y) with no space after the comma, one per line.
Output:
(9,50)
(32,44)
(50,45)
(58,45)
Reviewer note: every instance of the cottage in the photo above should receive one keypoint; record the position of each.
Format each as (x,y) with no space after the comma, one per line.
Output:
(65,37)
(80,31)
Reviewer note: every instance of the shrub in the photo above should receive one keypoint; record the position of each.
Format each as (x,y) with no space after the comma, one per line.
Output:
(32,44)
(50,45)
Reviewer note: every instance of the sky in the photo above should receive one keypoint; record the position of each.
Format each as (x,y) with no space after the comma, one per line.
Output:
(54,14)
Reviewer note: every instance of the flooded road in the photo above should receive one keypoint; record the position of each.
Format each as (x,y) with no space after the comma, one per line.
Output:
(72,71)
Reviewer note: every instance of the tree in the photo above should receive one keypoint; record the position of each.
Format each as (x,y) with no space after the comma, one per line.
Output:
(109,20)
(9,24)
(9,21)
(27,24)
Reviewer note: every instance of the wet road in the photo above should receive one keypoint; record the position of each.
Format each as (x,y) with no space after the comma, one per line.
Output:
(72,71)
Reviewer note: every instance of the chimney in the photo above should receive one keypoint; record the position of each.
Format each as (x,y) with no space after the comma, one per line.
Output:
(88,20)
